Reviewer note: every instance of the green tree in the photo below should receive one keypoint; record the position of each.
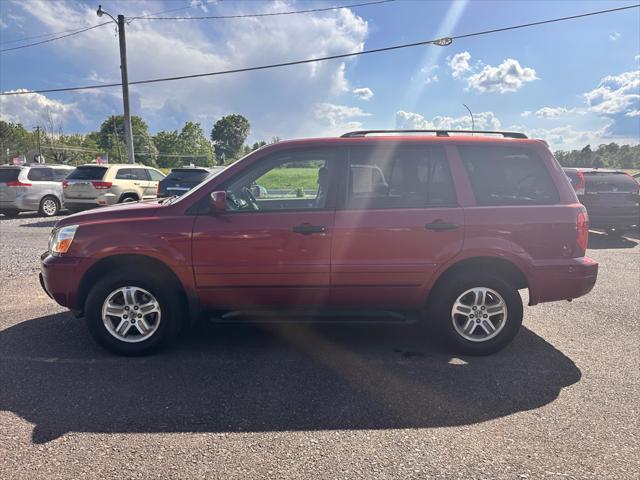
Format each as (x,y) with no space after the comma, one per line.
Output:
(16,139)
(112,140)
(228,135)
(193,141)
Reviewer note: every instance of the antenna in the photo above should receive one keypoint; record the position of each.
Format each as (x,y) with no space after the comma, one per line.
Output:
(473,123)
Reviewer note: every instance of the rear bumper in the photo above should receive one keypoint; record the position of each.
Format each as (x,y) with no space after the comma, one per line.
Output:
(614,216)
(103,200)
(562,280)
(60,278)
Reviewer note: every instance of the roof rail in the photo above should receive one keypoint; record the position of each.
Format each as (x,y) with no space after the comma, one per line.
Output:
(439,133)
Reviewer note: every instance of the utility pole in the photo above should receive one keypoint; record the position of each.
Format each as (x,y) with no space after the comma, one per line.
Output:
(128,134)
(38,141)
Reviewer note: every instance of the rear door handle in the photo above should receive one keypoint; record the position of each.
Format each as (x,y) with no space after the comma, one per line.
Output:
(441,226)
(309,229)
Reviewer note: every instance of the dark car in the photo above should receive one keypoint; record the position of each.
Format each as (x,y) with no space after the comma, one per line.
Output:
(612,198)
(447,224)
(181,180)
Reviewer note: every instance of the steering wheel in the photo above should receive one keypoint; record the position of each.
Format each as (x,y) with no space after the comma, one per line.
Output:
(250,199)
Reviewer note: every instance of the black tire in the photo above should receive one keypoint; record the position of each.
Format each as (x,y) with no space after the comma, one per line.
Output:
(49,206)
(128,198)
(442,301)
(171,306)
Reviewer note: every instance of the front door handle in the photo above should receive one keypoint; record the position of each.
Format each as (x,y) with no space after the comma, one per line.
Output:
(441,226)
(307,229)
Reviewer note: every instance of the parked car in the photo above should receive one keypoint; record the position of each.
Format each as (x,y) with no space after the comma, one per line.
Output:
(452,225)
(181,180)
(612,198)
(90,186)
(36,187)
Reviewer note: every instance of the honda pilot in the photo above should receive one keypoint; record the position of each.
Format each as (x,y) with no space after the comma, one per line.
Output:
(440,223)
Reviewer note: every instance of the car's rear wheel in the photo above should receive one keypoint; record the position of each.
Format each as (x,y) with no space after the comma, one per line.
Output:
(49,206)
(477,314)
(132,314)
(128,198)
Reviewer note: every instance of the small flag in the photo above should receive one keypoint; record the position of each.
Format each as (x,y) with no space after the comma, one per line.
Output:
(102,159)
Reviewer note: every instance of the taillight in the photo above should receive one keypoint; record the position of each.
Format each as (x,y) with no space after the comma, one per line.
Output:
(65,183)
(18,183)
(580,187)
(582,225)
(101,185)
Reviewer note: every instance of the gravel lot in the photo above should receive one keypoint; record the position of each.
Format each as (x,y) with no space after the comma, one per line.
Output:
(321,402)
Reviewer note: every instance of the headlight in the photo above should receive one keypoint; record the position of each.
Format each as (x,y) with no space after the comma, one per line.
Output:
(61,238)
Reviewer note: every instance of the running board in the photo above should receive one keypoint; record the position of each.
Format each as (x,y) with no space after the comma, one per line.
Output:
(308,316)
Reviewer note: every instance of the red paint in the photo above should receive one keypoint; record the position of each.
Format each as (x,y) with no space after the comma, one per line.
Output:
(362,258)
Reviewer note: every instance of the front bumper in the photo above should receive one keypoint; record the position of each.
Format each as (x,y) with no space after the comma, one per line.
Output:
(562,280)
(60,278)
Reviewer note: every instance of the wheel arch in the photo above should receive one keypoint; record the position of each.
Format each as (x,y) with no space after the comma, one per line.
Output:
(135,262)
(484,264)
(128,195)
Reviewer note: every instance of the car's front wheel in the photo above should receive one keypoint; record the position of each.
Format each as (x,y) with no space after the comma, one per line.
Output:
(132,314)
(477,314)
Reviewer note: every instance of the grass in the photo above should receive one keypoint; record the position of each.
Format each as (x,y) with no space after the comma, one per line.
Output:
(305,178)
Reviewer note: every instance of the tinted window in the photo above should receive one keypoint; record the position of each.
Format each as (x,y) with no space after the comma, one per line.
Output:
(155,176)
(140,174)
(124,174)
(286,181)
(609,182)
(40,174)
(508,175)
(87,173)
(9,174)
(404,177)
(190,176)
(60,174)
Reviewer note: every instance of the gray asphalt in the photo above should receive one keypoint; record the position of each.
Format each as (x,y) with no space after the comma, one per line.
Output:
(325,402)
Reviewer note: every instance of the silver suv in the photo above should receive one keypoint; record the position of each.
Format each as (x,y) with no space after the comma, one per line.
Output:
(32,187)
(90,186)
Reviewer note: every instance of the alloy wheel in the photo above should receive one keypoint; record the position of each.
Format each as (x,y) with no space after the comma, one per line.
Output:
(479,314)
(131,314)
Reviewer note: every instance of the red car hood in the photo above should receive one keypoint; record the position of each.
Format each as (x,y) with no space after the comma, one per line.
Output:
(118,211)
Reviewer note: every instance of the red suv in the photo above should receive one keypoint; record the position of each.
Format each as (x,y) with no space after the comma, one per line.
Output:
(450,224)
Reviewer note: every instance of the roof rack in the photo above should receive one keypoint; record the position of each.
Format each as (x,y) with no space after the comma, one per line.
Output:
(439,133)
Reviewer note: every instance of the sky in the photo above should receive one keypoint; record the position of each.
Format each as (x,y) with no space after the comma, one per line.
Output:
(571,83)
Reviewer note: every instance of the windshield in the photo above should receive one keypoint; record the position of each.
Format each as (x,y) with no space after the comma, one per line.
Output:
(9,174)
(613,182)
(87,173)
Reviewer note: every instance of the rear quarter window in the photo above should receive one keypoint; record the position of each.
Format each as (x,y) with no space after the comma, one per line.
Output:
(87,173)
(508,175)
(609,182)
(40,175)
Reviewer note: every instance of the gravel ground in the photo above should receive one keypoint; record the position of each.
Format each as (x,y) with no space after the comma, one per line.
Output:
(321,402)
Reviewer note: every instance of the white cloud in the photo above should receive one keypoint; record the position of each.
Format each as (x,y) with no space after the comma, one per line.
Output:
(633,113)
(637,58)
(363,93)
(614,36)
(459,64)
(526,113)
(3,25)
(338,118)
(567,138)
(509,76)
(412,120)
(552,112)
(277,102)
(615,93)
(428,74)
(34,109)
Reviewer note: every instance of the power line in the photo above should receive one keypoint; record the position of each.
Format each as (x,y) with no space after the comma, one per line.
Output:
(442,41)
(74,32)
(270,14)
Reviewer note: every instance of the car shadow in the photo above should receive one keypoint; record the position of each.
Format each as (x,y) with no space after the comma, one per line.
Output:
(46,223)
(600,241)
(252,378)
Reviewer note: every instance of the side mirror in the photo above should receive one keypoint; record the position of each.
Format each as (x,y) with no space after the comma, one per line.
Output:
(218,201)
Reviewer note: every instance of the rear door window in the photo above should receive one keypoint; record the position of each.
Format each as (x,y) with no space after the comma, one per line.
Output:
(399,177)
(508,175)
(9,174)
(609,182)
(140,174)
(87,173)
(40,175)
